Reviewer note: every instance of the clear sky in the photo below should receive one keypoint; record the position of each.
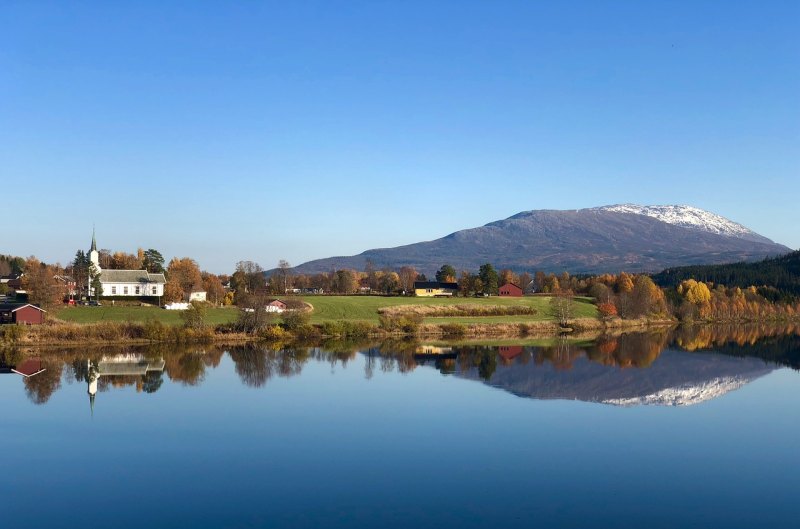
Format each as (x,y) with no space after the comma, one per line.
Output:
(227,131)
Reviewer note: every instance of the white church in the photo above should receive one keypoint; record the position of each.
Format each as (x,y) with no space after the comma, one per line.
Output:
(125,283)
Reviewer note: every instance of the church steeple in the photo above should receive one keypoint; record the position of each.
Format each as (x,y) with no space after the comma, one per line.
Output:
(94,255)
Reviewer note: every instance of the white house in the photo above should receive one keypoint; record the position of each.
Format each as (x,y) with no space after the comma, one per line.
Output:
(122,283)
(196,295)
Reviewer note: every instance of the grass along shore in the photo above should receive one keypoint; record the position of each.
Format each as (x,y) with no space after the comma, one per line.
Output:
(342,316)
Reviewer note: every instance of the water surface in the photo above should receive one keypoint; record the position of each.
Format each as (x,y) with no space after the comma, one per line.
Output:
(696,428)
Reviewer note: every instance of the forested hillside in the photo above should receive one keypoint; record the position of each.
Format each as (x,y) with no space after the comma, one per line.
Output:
(776,279)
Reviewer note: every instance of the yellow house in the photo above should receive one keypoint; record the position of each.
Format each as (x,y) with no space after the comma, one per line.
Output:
(432,289)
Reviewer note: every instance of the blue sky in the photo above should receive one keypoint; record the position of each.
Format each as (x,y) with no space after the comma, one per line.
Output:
(229,131)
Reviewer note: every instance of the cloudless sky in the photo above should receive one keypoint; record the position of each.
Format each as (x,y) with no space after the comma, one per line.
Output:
(265,130)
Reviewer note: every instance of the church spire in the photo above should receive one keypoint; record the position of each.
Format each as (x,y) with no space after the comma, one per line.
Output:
(94,243)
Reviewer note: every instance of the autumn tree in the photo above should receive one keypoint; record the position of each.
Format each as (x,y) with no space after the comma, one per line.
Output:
(624,283)
(215,292)
(183,274)
(247,279)
(372,275)
(407,276)
(38,281)
(390,281)
(446,274)
(465,283)
(646,297)
(344,282)
(125,261)
(539,279)
(525,280)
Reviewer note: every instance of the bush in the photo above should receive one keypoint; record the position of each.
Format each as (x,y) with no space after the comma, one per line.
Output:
(306,332)
(155,331)
(273,332)
(295,319)
(333,328)
(350,329)
(194,317)
(408,323)
(453,330)
(607,310)
(357,329)
(12,333)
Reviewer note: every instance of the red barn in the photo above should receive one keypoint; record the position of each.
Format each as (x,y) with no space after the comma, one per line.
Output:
(511,290)
(22,313)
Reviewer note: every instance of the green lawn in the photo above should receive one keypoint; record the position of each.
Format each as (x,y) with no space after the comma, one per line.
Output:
(332,308)
(140,314)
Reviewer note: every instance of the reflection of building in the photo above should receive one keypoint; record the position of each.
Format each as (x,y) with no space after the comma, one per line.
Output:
(119,365)
(433,351)
(509,352)
(27,368)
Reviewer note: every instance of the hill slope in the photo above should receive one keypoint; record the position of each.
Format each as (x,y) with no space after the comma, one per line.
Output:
(781,274)
(595,240)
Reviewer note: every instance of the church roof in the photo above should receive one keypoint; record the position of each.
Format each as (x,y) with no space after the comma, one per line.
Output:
(130,276)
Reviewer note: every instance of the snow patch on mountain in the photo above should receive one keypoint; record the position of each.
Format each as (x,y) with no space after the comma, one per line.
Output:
(687,217)
(684,395)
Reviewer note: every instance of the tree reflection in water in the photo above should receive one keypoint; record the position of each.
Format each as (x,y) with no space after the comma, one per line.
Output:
(256,365)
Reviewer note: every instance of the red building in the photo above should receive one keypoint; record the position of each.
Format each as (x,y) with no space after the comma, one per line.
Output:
(511,290)
(21,313)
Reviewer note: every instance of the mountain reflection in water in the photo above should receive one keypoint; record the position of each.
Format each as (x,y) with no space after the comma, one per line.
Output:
(677,367)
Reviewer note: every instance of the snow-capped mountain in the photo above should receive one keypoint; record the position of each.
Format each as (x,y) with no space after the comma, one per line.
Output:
(675,378)
(593,240)
(686,395)
(688,217)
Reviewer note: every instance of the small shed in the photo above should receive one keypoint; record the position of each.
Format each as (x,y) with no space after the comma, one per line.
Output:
(511,290)
(21,313)
(276,305)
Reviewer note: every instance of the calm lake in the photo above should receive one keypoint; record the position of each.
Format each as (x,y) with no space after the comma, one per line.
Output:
(686,428)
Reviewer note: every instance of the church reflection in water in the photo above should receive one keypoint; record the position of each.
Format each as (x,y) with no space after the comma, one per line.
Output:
(118,368)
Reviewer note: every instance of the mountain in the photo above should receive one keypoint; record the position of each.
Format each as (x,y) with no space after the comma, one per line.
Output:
(594,240)
(676,378)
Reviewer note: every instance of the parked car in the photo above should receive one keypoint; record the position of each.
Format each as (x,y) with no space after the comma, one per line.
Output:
(94,303)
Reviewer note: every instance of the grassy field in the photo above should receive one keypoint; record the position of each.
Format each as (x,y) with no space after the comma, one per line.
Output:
(365,308)
(139,314)
(334,308)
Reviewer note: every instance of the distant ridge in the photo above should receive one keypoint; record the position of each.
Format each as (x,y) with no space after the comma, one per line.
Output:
(594,240)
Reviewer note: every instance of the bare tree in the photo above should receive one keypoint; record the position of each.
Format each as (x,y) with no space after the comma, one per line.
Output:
(284,269)
(562,307)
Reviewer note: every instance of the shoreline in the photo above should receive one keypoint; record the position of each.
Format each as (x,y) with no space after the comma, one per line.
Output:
(134,334)
(94,334)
